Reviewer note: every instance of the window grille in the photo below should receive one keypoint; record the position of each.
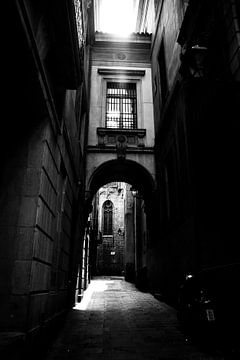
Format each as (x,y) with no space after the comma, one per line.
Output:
(107,218)
(121,107)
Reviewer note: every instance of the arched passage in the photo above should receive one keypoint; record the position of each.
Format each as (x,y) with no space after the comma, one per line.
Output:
(138,216)
(126,171)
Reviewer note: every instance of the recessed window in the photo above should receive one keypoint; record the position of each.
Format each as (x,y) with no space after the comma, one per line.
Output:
(107,218)
(121,105)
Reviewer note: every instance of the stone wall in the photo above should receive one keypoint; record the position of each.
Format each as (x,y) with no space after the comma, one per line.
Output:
(195,144)
(111,253)
(42,170)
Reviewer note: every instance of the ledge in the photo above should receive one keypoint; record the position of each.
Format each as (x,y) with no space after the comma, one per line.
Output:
(112,149)
(121,137)
(105,131)
(121,72)
(134,39)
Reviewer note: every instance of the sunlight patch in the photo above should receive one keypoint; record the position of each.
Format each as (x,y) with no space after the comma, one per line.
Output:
(118,17)
(94,286)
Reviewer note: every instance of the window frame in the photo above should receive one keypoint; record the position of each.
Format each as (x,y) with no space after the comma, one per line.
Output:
(124,99)
(108,232)
(121,79)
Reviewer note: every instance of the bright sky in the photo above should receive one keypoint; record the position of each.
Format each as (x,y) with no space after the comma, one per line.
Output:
(117,17)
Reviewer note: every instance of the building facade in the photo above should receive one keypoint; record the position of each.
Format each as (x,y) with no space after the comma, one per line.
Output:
(43,173)
(111,229)
(195,69)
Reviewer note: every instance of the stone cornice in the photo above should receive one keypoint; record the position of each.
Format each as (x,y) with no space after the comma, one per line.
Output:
(129,72)
(112,149)
(105,131)
(134,41)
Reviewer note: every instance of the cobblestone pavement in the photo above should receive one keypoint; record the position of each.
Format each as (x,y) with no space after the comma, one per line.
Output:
(115,321)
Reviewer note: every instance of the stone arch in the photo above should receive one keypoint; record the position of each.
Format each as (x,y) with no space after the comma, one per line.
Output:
(126,171)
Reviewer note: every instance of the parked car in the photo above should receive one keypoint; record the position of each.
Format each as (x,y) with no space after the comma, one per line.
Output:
(209,306)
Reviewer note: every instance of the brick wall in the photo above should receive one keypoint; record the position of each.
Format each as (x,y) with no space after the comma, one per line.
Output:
(110,256)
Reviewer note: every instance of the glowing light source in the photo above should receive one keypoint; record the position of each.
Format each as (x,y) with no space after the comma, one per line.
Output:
(133,191)
(118,17)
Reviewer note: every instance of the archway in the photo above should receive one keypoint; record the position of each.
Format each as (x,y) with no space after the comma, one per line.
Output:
(136,175)
(126,171)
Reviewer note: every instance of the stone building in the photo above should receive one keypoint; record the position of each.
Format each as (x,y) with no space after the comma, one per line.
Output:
(111,229)
(196,72)
(42,167)
(119,233)
(157,109)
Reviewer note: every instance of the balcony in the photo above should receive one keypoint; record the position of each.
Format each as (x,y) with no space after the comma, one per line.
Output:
(129,138)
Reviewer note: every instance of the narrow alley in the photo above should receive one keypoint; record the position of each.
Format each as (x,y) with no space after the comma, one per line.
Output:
(119,183)
(117,321)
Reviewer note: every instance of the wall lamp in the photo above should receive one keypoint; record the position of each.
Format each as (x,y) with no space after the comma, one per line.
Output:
(194,61)
(133,191)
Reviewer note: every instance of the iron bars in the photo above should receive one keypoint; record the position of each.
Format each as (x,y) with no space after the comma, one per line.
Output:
(121,106)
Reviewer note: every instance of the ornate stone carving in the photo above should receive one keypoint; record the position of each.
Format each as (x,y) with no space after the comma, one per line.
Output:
(132,138)
(121,56)
(121,146)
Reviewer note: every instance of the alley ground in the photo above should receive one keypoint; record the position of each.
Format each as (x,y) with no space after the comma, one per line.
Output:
(115,321)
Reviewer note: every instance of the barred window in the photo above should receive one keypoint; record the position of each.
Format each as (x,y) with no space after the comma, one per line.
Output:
(121,107)
(107,218)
